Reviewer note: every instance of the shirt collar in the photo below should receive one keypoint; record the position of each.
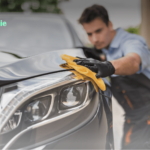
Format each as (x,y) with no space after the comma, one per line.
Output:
(117,39)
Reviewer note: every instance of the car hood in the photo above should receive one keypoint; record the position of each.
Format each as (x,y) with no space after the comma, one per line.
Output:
(7,58)
(35,66)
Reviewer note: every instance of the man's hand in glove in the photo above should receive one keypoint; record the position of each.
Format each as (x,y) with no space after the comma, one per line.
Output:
(103,69)
(92,53)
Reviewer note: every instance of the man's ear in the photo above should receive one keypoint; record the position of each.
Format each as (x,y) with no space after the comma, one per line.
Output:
(110,25)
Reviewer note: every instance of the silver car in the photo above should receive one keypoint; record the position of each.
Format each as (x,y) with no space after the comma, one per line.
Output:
(42,106)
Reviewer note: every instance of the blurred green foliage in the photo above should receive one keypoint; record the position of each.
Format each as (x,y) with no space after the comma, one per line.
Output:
(135,30)
(51,6)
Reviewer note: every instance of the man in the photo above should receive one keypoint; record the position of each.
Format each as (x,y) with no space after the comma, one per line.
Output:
(128,64)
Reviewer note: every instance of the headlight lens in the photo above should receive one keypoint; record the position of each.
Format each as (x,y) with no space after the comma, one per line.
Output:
(72,96)
(13,122)
(36,110)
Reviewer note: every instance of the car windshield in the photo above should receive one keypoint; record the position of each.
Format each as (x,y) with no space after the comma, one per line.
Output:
(27,36)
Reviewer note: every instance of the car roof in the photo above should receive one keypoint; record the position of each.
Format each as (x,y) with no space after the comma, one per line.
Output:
(10,15)
(28,18)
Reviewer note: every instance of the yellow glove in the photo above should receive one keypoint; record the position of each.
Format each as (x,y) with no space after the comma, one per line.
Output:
(82,72)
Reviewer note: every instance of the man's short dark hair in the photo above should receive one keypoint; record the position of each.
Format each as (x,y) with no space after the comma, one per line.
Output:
(93,12)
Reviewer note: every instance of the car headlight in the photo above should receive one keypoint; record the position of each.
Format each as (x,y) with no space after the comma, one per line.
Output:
(37,101)
(38,110)
(13,122)
(72,96)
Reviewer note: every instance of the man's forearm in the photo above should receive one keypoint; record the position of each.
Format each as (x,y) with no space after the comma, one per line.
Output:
(127,65)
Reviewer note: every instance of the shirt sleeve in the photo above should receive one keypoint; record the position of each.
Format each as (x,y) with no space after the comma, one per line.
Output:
(140,48)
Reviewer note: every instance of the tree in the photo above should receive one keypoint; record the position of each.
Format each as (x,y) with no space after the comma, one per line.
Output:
(51,6)
(145,24)
(135,30)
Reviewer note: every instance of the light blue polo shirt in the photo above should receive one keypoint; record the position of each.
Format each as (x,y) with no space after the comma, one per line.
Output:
(124,43)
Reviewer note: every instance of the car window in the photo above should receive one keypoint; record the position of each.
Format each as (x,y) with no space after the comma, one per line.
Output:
(33,35)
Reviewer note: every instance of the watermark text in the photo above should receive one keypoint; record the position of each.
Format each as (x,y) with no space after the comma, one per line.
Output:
(3,23)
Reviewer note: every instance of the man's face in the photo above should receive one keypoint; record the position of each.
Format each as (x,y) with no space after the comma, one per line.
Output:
(99,33)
